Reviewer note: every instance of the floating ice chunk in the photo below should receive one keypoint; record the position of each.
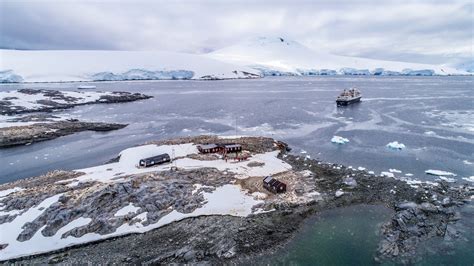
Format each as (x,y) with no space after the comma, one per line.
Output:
(439,173)
(447,179)
(8,76)
(387,174)
(360,168)
(430,133)
(467,162)
(469,179)
(394,171)
(371,172)
(339,140)
(303,152)
(396,145)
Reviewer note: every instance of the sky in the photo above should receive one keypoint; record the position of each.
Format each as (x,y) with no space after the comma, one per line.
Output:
(426,31)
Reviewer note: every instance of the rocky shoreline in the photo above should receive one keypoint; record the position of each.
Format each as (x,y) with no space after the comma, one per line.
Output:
(53,100)
(27,113)
(420,212)
(26,135)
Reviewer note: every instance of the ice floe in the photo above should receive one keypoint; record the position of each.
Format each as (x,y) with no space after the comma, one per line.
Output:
(469,179)
(387,174)
(339,140)
(439,173)
(396,145)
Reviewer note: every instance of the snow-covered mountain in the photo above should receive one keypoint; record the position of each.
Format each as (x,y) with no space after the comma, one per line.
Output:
(70,65)
(275,56)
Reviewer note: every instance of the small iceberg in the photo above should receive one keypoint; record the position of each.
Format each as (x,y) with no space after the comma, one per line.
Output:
(439,173)
(86,87)
(447,179)
(469,179)
(396,145)
(339,140)
(387,174)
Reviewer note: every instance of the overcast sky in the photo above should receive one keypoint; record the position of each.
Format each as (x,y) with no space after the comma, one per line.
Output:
(423,30)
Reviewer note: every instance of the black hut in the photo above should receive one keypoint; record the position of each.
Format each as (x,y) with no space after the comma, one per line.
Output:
(159,159)
(273,185)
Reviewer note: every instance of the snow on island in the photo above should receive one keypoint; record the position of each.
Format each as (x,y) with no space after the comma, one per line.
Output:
(339,140)
(68,212)
(395,145)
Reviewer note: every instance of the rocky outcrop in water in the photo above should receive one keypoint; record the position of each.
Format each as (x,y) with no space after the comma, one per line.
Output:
(25,135)
(52,100)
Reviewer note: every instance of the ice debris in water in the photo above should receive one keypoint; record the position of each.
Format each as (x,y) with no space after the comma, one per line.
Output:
(387,174)
(396,145)
(469,179)
(439,173)
(394,170)
(447,179)
(339,140)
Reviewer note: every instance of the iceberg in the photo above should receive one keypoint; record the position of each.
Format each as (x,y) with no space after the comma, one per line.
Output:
(353,71)
(387,174)
(8,76)
(396,145)
(439,173)
(422,72)
(339,140)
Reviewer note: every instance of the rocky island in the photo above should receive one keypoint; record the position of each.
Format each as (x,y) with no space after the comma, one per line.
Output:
(206,207)
(25,114)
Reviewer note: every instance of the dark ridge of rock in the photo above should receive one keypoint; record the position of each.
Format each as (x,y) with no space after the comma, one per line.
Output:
(49,105)
(25,135)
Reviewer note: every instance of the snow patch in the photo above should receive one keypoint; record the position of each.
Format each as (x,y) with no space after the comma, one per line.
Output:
(126,210)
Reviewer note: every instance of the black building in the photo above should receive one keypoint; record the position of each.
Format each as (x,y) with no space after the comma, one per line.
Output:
(273,185)
(159,159)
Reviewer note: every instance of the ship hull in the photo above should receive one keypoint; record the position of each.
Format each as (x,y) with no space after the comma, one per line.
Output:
(347,102)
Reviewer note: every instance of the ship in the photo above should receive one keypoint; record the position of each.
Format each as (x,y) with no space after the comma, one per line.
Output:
(347,97)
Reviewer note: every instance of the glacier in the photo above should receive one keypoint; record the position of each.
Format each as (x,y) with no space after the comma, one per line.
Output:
(92,65)
(277,56)
(8,76)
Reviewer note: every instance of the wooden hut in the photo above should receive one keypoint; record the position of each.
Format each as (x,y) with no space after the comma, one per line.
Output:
(159,159)
(273,185)
(208,148)
(232,147)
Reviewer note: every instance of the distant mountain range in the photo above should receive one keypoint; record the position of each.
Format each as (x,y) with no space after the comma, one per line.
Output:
(253,58)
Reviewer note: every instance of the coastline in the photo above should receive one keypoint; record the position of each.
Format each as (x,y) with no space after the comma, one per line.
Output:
(259,232)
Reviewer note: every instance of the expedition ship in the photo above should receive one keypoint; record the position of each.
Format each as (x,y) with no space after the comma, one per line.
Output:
(348,97)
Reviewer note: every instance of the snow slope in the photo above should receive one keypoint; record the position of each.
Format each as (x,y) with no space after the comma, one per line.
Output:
(276,56)
(75,65)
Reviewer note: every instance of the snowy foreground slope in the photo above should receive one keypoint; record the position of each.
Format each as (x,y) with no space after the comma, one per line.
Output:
(57,66)
(278,56)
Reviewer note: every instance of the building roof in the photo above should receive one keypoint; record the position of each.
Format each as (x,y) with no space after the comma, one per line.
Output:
(207,146)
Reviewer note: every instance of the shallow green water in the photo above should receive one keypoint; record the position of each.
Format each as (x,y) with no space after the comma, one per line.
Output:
(343,236)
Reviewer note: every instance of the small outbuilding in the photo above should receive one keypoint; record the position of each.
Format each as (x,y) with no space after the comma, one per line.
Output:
(158,159)
(273,185)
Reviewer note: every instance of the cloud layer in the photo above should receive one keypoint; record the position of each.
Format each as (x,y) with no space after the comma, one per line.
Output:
(418,30)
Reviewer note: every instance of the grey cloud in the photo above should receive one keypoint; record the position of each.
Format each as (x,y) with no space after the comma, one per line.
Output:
(429,28)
